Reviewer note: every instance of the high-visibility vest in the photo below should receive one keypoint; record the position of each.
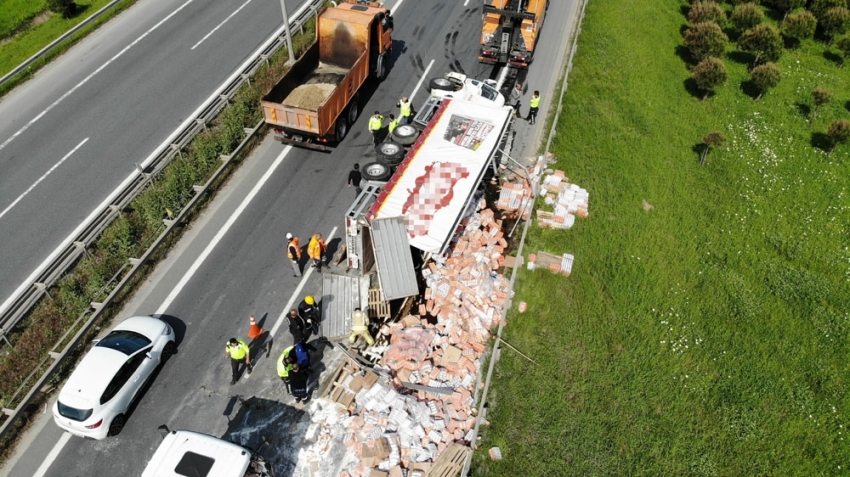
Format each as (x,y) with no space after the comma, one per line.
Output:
(358,321)
(376,122)
(393,125)
(535,101)
(404,109)
(283,369)
(293,244)
(316,248)
(239,351)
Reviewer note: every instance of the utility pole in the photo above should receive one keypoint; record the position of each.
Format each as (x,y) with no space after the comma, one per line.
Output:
(291,54)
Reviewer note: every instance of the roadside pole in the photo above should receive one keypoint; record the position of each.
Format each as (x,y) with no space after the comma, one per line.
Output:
(290,52)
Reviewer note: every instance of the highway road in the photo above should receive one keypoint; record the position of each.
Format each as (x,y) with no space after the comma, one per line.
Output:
(232,263)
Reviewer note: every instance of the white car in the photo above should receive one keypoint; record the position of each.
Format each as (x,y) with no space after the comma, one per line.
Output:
(187,453)
(100,390)
(457,85)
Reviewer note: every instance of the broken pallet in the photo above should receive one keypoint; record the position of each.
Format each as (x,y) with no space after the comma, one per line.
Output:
(450,462)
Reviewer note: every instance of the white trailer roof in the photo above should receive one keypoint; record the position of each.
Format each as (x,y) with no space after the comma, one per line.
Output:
(432,186)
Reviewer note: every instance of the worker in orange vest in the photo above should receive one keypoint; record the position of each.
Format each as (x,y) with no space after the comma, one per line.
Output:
(316,250)
(293,251)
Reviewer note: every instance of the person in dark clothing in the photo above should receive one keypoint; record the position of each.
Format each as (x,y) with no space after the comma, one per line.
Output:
(298,327)
(298,383)
(354,178)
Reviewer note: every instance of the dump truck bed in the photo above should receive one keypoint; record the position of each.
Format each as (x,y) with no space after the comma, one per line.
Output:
(317,88)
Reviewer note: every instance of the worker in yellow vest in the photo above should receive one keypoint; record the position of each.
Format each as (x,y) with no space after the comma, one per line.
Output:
(405,110)
(393,123)
(535,104)
(238,352)
(376,123)
(360,327)
(293,252)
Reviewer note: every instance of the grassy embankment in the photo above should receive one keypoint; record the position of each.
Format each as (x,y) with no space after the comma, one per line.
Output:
(708,335)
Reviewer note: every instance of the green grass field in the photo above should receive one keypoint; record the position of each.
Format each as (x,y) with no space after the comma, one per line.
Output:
(707,336)
(15,14)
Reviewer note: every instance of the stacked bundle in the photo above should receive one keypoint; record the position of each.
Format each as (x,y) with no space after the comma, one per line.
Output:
(568,200)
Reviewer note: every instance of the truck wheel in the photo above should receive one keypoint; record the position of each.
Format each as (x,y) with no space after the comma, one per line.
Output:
(341,128)
(390,153)
(405,134)
(443,84)
(353,110)
(381,67)
(375,171)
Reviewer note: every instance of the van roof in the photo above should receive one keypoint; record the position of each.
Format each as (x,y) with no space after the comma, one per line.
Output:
(192,454)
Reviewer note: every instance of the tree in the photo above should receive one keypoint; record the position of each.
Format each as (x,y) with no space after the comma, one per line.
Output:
(843,44)
(763,41)
(65,7)
(709,74)
(838,133)
(746,16)
(765,77)
(706,11)
(800,26)
(820,96)
(819,7)
(705,39)
(712,139)
(835,21)
(788,6)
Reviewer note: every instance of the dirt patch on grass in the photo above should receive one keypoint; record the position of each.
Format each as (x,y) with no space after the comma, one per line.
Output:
(38,20)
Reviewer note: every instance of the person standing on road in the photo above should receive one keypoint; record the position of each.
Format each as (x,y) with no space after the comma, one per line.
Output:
(238,352)
(316,250)
(296,353)
(360,327)
(298,383)
(309,311)
(405,110)
(393,123)
(535,105)
(516,99)
(293,251)
(376,123)
(298,327)
(354,178)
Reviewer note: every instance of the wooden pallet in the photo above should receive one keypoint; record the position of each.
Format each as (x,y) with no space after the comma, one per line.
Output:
(377,307)
(450,462)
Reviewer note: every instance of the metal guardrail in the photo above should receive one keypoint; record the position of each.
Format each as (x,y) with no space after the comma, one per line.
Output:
(481,404)
(44,51)
(68,256)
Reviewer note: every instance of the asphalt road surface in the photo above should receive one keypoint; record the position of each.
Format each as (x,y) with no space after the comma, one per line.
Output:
(232,262)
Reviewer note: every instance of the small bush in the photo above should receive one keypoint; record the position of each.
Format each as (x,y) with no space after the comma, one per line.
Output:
(66,8)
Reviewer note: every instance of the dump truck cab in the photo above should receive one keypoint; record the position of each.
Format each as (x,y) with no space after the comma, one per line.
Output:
(510,30)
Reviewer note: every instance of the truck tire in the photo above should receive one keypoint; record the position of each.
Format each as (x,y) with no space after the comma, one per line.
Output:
(405,134)
(353,109)
(390,153)
(381,67)
(444,84)
(377,172)
(341,128)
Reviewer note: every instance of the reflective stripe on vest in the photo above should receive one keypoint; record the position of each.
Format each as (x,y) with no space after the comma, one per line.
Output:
(239,351)
(404,109)
(359,328)
(375,123)
(535,101)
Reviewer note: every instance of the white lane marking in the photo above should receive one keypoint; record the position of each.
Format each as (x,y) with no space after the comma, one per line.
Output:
(424,75)
(92,75)
(191,118)
(395,7)
(7,209)
(200,260)
(221,24)
(466,3)
(54,453)
(296,293)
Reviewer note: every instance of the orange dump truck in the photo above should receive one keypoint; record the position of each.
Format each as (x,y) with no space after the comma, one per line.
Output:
(510,31)
(316,101)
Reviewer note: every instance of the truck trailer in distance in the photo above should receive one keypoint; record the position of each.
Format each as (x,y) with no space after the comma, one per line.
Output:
(510,30)
(316,102)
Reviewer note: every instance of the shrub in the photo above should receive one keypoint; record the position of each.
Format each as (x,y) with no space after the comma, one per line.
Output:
(705,39)
(709,74)
(835,21)
(819,7)
(800,26)
(746,16)
(765,77)
(763,41)
(706,12)
(838,133)
(66,8)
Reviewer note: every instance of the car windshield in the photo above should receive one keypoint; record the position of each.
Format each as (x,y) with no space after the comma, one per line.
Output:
(489,92)
(127,342)
(74,413)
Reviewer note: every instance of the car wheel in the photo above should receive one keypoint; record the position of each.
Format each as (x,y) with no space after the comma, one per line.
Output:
(375,171)
(405,134)
(116,425)
(353,110)
(341,128)
(390,153)
(167,352)
(443,84)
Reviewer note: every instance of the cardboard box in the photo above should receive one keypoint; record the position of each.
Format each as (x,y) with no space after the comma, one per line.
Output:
(396,472)
(382,449)
(377,473)
(451,357)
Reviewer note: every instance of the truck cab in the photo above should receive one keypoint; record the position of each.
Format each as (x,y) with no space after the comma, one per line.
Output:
(188,453)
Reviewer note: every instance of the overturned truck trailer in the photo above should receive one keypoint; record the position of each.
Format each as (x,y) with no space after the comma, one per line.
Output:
(391,229)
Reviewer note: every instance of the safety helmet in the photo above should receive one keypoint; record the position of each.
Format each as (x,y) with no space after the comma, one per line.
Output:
(309,300)
(288,236)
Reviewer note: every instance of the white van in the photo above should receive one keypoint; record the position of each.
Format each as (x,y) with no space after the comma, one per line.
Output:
(192,454)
